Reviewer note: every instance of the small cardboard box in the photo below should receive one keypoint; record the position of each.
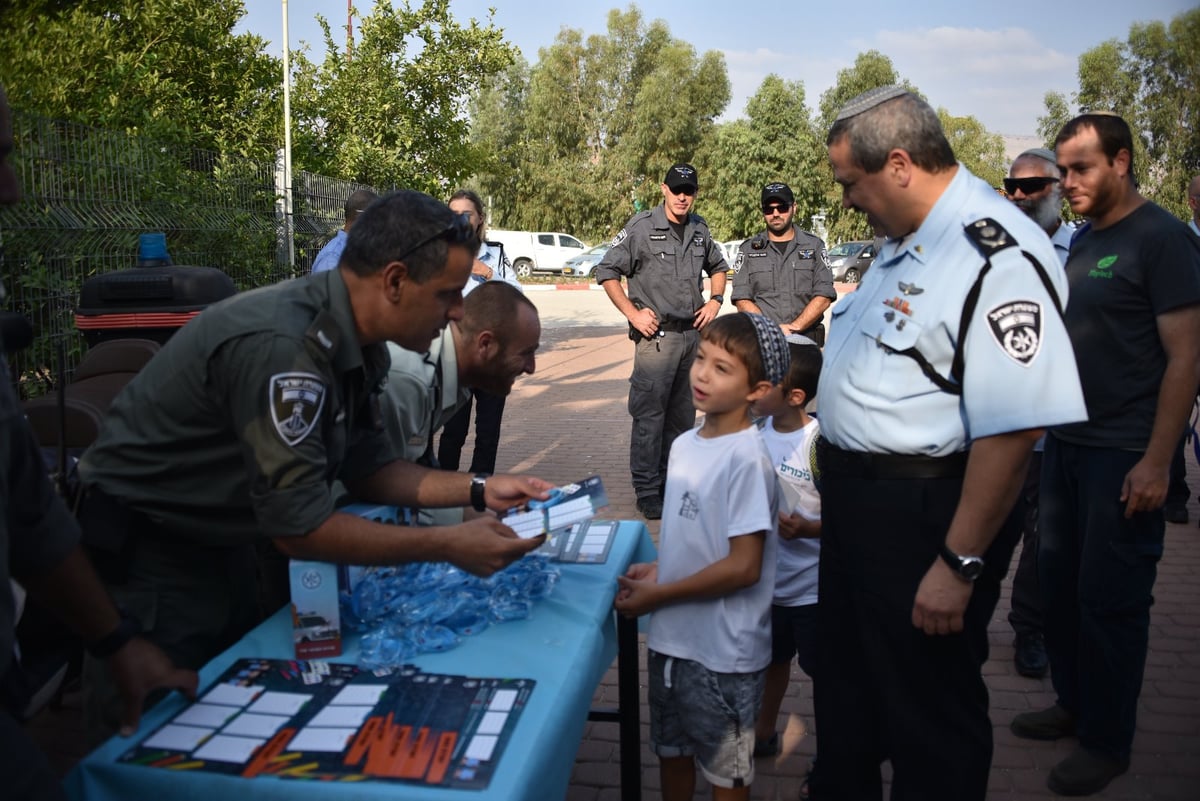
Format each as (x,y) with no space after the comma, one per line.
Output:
(316,624)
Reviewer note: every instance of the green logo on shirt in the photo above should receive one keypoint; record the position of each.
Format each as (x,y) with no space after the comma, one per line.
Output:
(1102,269)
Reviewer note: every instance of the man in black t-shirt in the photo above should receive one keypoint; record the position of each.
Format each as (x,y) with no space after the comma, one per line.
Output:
(1133,316)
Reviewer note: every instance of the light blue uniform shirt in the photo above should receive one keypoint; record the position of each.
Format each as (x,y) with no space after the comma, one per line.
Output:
(1019,368)
(502,270)
(331,254)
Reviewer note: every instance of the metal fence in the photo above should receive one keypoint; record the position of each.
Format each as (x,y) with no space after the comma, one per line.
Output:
(89,193)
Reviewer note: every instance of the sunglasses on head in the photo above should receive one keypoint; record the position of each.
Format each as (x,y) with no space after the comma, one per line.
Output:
(1027,185)
(457,232)
(776,208)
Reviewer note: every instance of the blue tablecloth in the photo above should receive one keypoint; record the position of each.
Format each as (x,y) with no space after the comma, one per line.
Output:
(566,646)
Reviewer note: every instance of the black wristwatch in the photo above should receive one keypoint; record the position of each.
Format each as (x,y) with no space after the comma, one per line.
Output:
(718,298)
(967,568)
(127,628)
(478,483)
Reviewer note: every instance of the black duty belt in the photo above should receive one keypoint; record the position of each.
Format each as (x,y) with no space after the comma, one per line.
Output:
(888,466)
(675,326)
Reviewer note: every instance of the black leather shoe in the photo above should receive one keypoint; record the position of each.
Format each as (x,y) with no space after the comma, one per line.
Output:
(650,507)
(1030,655)
(1175,513)
(1085,772)
(1048,724)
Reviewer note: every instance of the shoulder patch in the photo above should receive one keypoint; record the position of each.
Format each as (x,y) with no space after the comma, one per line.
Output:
(296,400)
(1016,327)
(619,238)
(737,263)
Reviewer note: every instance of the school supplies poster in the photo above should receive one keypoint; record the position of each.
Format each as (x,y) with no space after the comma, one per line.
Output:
(335,722)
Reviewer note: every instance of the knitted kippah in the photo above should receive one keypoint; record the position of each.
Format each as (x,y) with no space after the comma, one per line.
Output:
(869,100)
(772,348)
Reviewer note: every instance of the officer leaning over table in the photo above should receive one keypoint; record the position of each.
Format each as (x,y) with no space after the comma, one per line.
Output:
(782,273)
(940,371)
(234,432)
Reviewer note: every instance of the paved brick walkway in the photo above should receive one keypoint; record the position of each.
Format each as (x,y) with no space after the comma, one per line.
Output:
(569,420)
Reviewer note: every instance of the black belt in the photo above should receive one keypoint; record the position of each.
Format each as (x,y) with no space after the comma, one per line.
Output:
(675,326)
(888,466)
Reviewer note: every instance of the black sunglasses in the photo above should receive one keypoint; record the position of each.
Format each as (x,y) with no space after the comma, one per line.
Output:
(777,208)
(1027,185)
(458,231)
(686,189)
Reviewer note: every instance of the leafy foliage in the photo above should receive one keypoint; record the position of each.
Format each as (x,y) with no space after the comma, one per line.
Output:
(1152,80)
(391,110)
(600,124)
(170,69)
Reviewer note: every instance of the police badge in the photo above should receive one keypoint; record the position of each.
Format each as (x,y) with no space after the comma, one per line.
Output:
(1017,328)
(296,400)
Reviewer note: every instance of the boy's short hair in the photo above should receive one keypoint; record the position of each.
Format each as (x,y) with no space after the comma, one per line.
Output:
(804,373)
(736,334)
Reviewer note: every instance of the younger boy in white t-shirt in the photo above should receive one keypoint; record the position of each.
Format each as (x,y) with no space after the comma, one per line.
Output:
(790,435)
(710,591)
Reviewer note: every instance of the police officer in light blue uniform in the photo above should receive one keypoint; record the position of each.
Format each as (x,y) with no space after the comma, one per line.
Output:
(935,386)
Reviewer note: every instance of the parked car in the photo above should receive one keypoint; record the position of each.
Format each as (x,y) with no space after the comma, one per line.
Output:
(537,251)
(850,260)
(583,264)
(731,250)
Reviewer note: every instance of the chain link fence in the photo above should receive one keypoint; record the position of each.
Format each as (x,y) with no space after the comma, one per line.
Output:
(89,193)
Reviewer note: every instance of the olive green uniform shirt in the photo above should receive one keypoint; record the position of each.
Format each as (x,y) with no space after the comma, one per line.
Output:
(236,429)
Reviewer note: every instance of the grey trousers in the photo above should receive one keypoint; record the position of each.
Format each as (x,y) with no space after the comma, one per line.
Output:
(660,403)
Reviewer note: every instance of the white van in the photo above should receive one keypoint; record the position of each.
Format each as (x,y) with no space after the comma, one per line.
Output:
(536,251)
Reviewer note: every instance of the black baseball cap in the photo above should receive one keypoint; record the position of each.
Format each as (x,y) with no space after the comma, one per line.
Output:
(681,175)
(778,192)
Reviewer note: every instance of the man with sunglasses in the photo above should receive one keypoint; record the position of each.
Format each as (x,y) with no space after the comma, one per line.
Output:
(1034,186)
(664,255)
(232,435)
(782,272)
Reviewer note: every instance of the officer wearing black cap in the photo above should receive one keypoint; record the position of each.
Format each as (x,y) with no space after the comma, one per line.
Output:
(782,272)
(664,255)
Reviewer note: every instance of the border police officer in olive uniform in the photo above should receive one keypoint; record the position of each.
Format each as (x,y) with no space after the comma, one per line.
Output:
(782,272)
(940,371)
(234,432)
(664,255)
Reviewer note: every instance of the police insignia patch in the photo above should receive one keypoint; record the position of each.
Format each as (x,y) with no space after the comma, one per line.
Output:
(737,263)
(1017,328)
(296,400)
(619,238)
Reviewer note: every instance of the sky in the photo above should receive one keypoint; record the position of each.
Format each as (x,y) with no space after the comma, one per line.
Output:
(993,61)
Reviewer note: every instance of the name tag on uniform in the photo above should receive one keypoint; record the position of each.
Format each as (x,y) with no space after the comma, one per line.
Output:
(658,237)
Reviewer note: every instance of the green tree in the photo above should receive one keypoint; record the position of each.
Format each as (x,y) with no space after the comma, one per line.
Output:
(606,117)
(777,141)
(981,152)
(391,110)
(1152,80)
(1058,112)
(498,131)
(170,69)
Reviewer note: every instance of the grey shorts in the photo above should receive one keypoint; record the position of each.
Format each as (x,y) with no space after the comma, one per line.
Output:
(695,712)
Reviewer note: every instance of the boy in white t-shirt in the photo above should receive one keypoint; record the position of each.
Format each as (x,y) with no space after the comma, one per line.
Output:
(710,591)
(790,435)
